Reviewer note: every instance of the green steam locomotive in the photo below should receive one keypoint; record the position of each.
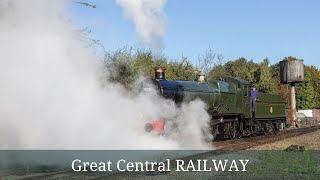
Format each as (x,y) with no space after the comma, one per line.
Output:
(236,108)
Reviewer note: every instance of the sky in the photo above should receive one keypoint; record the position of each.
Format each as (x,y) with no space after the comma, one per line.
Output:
(247,28)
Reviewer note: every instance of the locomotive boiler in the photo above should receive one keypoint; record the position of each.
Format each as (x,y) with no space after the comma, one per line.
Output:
(236,108)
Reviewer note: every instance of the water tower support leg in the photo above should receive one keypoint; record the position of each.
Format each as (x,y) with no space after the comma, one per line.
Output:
(293,106)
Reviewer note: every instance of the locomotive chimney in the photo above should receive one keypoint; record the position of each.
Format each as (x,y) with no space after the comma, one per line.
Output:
(159,73)
(201,77)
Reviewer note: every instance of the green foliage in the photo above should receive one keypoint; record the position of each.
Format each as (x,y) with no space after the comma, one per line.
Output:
(127,65)
(181,70)
(290,58)
(143,62)
(265,82)
(267,79)
(315,82)
(120,66)
(241,68)
(217,71)
(306,92)
(282,89)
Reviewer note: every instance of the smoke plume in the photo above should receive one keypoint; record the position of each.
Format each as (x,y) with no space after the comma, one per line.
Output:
(51,96)
(149,19)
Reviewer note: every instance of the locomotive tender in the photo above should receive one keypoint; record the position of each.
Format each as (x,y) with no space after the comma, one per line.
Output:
(235,107)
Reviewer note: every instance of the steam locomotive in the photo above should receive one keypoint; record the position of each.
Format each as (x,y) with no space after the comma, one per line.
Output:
(235,107)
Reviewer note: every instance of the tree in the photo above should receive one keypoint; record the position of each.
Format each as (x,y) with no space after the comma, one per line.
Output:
(119,67)
(207,60)
(315,81)
(143,62)
(181,69)
(240,68)
(305,92)
(282,89)
(126,65)
(217,71)
(265,82)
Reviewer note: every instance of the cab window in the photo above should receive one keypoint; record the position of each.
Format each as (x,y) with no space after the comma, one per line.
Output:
(239,87)
(246,91)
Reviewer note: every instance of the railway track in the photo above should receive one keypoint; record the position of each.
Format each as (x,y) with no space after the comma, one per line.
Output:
(245,143)
(220,148)
(228,146)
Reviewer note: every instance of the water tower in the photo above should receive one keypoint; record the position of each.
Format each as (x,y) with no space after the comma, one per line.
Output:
(291,72)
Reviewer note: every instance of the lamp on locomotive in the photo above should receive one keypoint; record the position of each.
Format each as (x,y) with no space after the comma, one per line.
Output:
(156,126)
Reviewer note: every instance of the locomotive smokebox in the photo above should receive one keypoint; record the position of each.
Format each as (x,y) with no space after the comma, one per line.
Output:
(291,71)
(160,73)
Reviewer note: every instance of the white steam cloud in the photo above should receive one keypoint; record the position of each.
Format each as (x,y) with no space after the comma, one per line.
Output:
(51,97)
(149,19)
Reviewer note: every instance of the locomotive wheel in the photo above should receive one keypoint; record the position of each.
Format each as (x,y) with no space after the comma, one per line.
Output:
(231,130)
(214,131)
(217,133)
(264,128)
(275,128)
(226,129)
(239,128)
(269,128)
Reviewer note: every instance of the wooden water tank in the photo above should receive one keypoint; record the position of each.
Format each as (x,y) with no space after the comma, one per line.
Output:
(291,71)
